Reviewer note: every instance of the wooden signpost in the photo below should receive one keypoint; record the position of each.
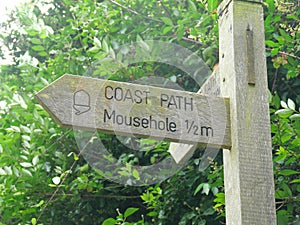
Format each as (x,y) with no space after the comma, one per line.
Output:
(248,170)
(241,124)
(248,166)
(137,110)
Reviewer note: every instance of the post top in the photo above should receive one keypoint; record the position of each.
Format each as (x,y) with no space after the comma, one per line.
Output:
(225,3)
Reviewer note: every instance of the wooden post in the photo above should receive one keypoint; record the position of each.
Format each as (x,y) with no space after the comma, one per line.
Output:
(248,170)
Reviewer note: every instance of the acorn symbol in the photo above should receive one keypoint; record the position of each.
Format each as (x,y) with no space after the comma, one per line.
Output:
(81,102)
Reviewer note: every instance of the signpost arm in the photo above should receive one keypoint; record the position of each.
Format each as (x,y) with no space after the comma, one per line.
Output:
(182,152)
(248,170)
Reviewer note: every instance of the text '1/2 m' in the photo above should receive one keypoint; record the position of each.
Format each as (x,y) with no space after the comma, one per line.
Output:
(195,129)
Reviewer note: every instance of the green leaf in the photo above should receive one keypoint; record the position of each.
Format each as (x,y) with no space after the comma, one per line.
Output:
(292,17)
(276,101)
(288,172)
(274,51)
(38,48)
(209,212)
(167,21)
(25,129)
(166,30)
(192,6)
(19,99)
(33,221)
(180,32)
(26,164)
(206,188)
(271,5)
(43,54)
(142,43)
(136,174)
(26,144)
(105,45)
(295,117)
(35,41)
(2,172)
(212,5)
(35,160)
(14,129)
(282,217)
(286,36)
(32,32)
(207,52)
(296,141)
(284,113)
(109,221)
(130,211)
(194,32)
(8,170)
(220,197)
(283,104)
(291,104)
(25,137)
(75,156)
(39,204)
(287,190)
(152,214)
(26,172)
(286,136)
(199,187)
(97,42)
(16,172)
(215,190)
(272,44)
(295,181)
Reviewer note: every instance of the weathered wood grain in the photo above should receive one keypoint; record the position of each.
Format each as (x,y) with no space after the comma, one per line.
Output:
(248,170)
(137,110)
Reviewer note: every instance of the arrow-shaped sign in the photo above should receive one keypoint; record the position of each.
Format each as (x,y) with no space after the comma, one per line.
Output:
(137,110)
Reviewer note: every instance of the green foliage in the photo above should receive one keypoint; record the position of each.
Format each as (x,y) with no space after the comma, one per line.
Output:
(184,198)
(282,41)
(43,177)
(121,218)
(283,47)
(286,135)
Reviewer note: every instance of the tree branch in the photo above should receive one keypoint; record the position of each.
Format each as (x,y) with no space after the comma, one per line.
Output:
(184,39)
(134,12)
(165,8)
(275,80)
(91,195)
(61,183)
(192,41)
(284,53)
